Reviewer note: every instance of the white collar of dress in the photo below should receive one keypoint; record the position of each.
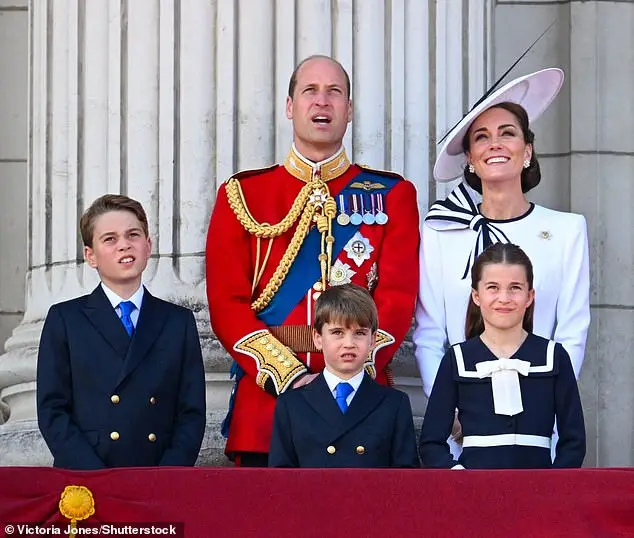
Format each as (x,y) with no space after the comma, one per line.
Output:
(459,211)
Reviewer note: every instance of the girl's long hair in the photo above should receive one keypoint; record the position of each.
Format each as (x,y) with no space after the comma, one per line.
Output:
(507,254)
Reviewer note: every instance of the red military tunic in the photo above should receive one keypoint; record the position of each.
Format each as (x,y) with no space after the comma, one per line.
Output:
(386,264)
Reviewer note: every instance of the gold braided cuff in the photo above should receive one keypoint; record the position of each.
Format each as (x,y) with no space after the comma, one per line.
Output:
(276,363)
(383,339)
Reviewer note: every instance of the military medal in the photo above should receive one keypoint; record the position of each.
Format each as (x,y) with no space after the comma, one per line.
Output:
(343,219)
(368,216)
(381,217)
(355,218)
(358,249)
(373,277)
(341,273)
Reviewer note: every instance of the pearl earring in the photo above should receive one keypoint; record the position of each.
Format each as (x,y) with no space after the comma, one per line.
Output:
(527,163)
(471,168)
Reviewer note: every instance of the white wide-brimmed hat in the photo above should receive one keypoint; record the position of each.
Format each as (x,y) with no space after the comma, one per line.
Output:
(533,92)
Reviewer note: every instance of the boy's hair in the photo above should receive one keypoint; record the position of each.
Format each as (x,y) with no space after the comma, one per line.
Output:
(105,204)
(348,304)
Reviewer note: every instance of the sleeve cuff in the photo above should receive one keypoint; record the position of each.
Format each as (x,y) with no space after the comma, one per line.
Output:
(277,366)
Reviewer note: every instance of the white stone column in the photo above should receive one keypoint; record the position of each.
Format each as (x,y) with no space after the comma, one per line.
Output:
(165,99)
(123,100)
(463,67)
(14,22)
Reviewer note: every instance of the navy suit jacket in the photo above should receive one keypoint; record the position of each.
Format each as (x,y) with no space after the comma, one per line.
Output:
(107,400)
(377,430)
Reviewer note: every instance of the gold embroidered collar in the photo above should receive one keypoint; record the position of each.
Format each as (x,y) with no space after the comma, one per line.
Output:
(298,166)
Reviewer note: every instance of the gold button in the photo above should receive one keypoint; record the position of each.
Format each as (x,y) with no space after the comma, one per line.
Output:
(114,436)
(360,450)
(152,400)
(264,340)
(316,295)
(151,437)
(317,286)
(331,449)
(115,399)
(275,352)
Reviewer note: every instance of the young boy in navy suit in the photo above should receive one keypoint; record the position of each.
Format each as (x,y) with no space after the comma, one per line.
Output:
(342,418)
(120,377)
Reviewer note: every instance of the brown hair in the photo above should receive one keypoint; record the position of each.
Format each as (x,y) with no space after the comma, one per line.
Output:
(348,304)
(532,175)
(507,254)
(105,204)
(293,81)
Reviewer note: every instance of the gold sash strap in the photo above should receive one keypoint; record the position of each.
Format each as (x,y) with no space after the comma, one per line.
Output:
(312,205)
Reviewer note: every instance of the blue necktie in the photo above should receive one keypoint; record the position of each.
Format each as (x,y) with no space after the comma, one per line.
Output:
(342,391)
(127,308)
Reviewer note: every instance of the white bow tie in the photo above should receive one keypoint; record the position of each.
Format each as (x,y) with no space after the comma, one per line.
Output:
(505,383)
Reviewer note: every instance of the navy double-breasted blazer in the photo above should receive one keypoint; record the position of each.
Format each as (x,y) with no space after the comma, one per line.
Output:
(377,430)
(107,400)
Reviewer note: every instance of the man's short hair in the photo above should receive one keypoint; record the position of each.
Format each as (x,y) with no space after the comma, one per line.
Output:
(293,81)
(105,204)
(347,304)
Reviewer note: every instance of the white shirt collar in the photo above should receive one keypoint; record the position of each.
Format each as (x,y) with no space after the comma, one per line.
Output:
(314,164)
(137,297)
(332,380)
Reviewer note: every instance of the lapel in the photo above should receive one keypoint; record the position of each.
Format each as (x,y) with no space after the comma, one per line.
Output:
(152,318)
(319,397)
(367,398)
(100,313)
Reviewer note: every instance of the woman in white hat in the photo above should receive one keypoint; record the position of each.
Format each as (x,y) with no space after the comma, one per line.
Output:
(492,147)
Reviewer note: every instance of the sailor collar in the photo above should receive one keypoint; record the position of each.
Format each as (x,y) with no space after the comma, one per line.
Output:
(300,167)
(467,363)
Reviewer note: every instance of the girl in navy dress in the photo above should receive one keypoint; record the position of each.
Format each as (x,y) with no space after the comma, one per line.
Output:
(508,385)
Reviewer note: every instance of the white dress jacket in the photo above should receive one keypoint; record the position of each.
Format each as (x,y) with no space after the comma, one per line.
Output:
(557,245)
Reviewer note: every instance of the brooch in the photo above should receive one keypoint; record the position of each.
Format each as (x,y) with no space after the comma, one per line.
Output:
(545,234)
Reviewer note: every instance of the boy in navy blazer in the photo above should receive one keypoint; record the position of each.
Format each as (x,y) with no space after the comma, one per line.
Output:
(342,417)
(120,377)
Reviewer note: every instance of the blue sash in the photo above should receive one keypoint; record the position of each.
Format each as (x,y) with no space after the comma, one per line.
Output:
(306,269)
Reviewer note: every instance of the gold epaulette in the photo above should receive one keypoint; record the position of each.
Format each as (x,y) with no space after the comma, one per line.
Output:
(275,362)
(253,172)
(381,172)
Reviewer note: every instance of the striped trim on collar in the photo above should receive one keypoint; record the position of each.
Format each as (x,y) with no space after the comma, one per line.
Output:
(459,212)
(548,367)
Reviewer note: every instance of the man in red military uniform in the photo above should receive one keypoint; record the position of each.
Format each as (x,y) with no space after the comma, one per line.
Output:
(281,235)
